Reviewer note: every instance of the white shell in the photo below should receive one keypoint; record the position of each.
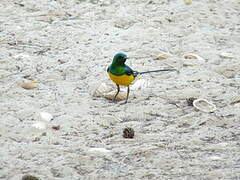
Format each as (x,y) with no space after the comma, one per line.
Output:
(204,105)
(46,116)
(39,125)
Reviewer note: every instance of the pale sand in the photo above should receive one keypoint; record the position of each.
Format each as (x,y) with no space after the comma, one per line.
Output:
(67,47)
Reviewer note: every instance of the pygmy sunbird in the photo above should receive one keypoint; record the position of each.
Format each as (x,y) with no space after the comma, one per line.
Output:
(122,74)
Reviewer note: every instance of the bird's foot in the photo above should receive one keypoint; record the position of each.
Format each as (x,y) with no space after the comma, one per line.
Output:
(123,103)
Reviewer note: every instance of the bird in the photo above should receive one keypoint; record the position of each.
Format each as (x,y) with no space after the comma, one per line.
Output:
(123,75)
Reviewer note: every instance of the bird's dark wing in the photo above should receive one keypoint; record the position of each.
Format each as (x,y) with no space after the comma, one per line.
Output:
(129,71)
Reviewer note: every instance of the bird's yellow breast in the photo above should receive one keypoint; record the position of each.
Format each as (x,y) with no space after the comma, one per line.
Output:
(123,80)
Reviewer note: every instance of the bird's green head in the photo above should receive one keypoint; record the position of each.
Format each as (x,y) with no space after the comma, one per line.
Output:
(119,59)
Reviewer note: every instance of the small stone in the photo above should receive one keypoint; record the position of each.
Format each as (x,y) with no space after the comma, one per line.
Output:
(56,127)
(128,132)
(44,134)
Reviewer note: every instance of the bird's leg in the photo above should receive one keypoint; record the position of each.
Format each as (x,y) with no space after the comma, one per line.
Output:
(128,91)
(118,89)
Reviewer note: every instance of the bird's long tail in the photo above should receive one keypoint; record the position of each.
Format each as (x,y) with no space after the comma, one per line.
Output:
(160,70)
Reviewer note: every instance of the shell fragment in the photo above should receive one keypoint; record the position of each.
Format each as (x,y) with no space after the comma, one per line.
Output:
(46,116)
(204,105)
(29,85)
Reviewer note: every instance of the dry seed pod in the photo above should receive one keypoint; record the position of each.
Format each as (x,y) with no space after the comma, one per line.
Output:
(30,177)
(204,105)
(128,132)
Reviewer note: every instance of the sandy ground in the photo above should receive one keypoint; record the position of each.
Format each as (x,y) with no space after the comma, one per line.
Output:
(67,45)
